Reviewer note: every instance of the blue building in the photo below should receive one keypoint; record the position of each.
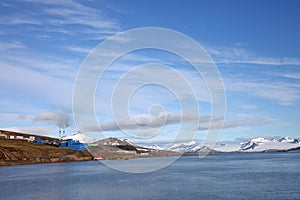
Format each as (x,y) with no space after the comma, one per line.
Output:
(51,143)
(72,144)
(39,141)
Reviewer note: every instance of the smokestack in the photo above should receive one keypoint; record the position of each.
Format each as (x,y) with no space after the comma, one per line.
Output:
(62,120)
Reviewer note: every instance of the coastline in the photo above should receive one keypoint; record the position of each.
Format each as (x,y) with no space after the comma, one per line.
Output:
(22,152)
(20,162)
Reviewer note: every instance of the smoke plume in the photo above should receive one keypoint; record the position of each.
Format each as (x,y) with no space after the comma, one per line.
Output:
(60,118)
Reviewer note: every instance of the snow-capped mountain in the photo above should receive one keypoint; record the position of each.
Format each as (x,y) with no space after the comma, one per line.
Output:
(156,147)
(259,144)
(79,137)
(252,143)
(190,147)
(112,141)
(183,147)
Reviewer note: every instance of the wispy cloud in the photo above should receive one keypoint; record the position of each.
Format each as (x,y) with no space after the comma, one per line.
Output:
(38,130)
(4,45)
(144,122)
(233,124)
(248,107)
(290,75)
(260,82)
(147,121)
(281,92)
(47,65)
(82,50)
(227,55)
(19,20)
(34,86)
(65,12)
(67,18)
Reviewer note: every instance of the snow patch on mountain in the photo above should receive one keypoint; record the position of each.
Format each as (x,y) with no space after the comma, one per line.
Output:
(189,147)
(156,147)
(252,143)
(79,137)
(113,141)
(288,139)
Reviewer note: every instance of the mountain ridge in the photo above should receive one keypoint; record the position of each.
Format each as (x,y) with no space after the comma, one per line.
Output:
(257,144)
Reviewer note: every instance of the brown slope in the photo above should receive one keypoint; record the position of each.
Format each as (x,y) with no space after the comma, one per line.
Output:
(15,151)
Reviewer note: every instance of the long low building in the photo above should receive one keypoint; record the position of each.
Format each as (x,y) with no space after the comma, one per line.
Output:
(4,134)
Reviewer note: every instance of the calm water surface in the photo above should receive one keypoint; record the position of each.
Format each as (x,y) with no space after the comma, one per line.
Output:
(224,176)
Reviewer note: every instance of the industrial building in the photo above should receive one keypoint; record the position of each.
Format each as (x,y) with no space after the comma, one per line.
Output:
(72,144)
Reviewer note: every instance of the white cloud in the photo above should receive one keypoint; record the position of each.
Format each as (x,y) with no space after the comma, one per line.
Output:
(4,45)
(283,93)
(29,84)
(78,49)
(71,12)
(233,124)
(290,75)
(19,20)
(147,121)
(229,55)
(56,16)
(248,107)
(263,83)
(49,65)
(38,130)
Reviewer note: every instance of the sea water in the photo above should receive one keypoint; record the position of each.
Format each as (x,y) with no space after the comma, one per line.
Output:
(220,176)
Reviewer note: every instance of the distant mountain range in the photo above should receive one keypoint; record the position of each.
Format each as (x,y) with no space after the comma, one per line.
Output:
(258,144)
(261,143)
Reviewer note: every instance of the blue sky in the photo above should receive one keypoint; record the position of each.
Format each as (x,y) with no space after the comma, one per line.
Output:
(254,44)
